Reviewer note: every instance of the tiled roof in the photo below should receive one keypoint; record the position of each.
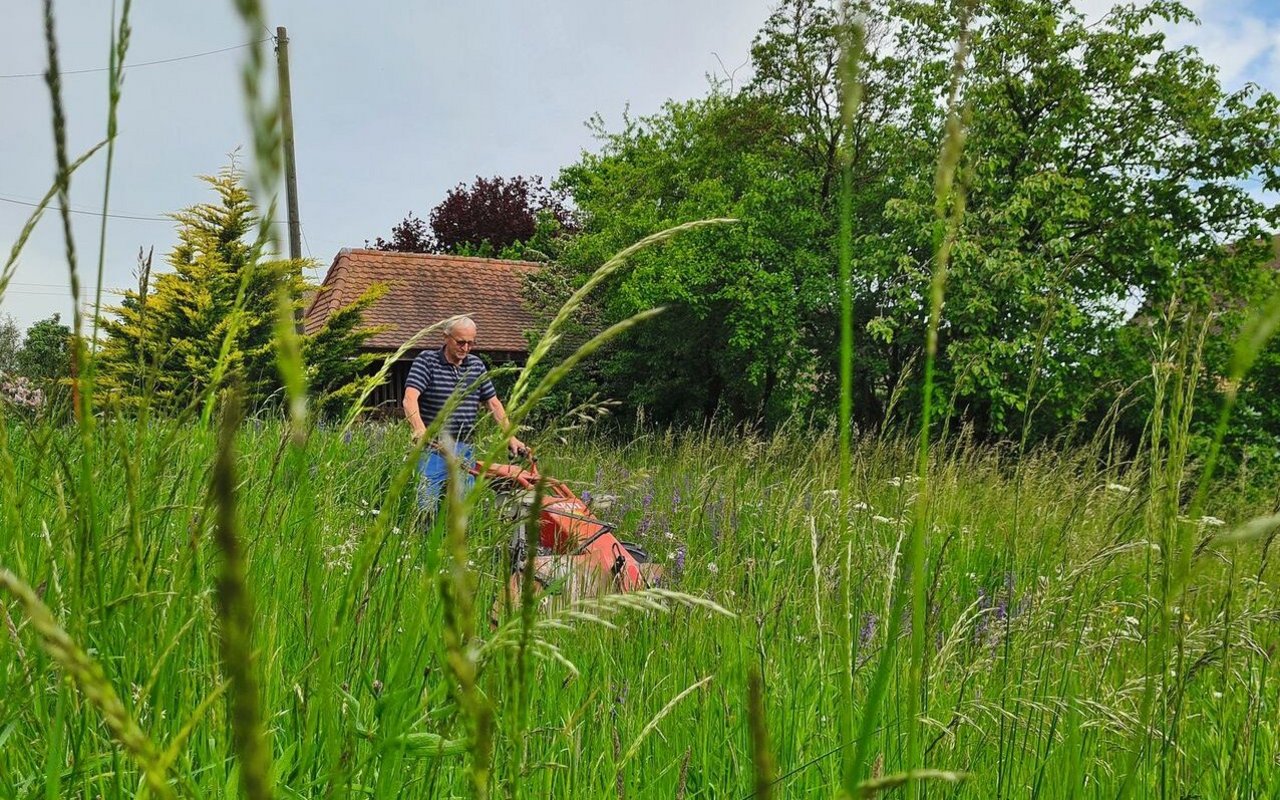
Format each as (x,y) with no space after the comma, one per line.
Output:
(424,289)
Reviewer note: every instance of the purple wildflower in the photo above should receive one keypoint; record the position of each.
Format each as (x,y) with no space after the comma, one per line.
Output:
(984,620)
(868,630)
(679,559)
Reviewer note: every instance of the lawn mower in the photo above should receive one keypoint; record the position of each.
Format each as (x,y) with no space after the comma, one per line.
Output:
(578,555)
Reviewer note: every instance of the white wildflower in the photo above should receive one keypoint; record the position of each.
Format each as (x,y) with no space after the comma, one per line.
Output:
(712,568)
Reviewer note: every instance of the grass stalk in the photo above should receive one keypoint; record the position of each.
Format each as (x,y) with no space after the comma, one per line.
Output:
(235,615)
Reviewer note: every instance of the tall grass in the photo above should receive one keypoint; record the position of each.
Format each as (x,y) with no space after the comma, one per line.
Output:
(350,632)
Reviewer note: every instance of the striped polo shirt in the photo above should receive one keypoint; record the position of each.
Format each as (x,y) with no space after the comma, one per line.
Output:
(437,379)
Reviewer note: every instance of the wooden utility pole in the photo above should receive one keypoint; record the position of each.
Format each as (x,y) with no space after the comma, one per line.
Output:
(286,127)
(290,164)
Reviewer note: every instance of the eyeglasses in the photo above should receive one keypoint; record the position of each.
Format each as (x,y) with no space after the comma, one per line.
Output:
(463,342)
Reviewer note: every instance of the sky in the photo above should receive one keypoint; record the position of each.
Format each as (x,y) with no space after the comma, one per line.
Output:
(395,102)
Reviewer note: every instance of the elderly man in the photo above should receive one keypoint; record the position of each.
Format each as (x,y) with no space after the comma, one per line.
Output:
(433,379)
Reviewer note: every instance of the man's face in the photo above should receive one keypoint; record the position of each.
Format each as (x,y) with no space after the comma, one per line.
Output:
(459,342)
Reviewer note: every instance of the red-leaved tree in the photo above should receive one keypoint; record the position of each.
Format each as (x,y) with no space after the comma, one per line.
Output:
(411,236)
(488,217)
(495,211)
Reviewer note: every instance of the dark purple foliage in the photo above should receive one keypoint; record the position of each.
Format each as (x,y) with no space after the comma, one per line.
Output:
(411,236)
(497,211)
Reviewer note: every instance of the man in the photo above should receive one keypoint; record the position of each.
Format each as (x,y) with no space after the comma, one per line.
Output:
(433,378)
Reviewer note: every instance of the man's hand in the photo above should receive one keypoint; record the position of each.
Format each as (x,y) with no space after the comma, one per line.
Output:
(518,448)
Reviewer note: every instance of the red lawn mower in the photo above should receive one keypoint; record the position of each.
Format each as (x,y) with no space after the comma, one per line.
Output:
(577,551)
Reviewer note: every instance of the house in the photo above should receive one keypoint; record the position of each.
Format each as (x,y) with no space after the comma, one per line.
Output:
(422,290)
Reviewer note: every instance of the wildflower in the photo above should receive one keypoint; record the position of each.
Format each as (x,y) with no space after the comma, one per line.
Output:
(1217,695)
(22,393)
(868,630)
(680,553)
(712,568)
(586,497)
(860,506)
(668,535)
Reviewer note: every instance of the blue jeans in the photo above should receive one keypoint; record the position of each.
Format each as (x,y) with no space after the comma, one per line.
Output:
(433,474)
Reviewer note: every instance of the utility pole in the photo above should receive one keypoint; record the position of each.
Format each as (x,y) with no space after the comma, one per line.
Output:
(290,164)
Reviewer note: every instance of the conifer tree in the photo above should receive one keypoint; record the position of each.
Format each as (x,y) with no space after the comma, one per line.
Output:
(165,338)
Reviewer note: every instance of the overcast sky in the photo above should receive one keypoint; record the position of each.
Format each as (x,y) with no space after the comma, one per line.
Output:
(394,102)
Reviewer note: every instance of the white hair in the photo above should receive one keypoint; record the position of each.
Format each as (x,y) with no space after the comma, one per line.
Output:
(453,324)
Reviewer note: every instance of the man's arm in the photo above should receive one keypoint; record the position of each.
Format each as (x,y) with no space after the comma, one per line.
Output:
(413,414)
(500,414)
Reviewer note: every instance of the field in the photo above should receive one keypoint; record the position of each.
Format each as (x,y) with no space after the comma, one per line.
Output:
(1049,669)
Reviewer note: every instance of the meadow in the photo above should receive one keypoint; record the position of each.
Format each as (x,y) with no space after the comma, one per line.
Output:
(1044,625)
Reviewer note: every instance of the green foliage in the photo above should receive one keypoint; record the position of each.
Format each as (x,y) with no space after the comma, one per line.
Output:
(10,345)
(1104,171)
(46,350)
(165,339)
(730,336)
(333,356)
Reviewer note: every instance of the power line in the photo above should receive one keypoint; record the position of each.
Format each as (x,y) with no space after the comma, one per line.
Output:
(18,202)
(87,212)
(140,63)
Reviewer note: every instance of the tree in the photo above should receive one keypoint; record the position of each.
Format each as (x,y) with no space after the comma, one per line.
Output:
(496,213)
(10,345)
(410,236)
(495,217)
(737,295)
(165,342)
(1101,166)
(46,350)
